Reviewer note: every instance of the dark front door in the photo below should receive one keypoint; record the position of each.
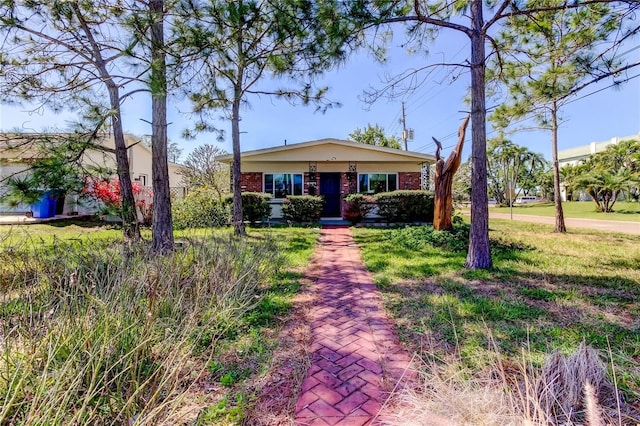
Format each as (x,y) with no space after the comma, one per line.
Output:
(330,189)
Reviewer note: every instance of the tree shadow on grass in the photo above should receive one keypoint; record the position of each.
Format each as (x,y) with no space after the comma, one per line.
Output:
(82,222)
(457,315)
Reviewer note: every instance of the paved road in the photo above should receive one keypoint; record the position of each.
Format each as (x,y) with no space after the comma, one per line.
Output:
(595,224)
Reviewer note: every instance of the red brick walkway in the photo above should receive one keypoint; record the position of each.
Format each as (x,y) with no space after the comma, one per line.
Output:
(356,358)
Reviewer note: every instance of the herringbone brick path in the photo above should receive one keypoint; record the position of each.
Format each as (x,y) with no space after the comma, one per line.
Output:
(356,358)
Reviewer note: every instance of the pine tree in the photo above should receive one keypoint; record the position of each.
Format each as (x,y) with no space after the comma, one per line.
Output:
(231,47)
(546,57)
(66,54)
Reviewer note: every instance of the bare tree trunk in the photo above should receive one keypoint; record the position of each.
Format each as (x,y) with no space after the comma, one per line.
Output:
(238,223)
(479,255)
(130,225)
(443,181)
(560,225)
(162,228)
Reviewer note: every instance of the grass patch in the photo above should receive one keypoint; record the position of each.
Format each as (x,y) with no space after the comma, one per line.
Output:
(547,292)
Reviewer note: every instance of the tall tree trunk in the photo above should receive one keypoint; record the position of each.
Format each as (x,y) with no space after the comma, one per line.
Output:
(130,225)
(238,223)
(162,228)
(557,198)
(479,255)
(443,181)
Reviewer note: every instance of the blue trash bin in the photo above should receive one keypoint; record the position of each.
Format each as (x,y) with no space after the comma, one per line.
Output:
(42,208)
(52,203)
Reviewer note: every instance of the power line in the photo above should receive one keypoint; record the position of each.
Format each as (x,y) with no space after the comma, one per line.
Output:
(617,83)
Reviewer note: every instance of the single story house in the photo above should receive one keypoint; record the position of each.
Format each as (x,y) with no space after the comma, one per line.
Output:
(332,168)
(18,150)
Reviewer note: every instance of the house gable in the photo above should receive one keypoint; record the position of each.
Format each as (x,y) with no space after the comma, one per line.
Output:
(331,150)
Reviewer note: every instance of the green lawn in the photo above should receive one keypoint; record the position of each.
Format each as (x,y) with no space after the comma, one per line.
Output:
(624,211)
(547,292)
(68,230)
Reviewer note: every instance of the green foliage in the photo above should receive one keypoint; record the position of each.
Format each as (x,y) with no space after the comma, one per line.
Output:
(21,190)
(608,174)
(302,208)
(563,51)
(255,206)
(512,166)
(415,237)
(405,206)
(201,208)
(358,206)
(375,135)
(59,164)
(225,410)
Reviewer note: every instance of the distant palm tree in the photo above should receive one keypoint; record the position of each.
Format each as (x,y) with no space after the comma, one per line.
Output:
(604,186)
(568,178)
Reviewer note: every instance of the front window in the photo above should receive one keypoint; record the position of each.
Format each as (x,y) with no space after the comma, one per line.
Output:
(374,183)
(279,185)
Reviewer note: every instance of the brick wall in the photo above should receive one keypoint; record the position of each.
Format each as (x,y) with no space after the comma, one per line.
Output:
(348,185)
(309,183)
(251,182)
(409,180)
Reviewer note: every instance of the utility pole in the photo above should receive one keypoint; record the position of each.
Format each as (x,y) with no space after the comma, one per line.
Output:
(407,134)
(404,129)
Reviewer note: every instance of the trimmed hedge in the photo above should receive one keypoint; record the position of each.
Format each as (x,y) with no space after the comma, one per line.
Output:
(358,206)
(255,206)
(201,208)
(302,208)
(406,206)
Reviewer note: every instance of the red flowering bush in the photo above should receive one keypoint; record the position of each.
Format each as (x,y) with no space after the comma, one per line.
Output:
(107,191)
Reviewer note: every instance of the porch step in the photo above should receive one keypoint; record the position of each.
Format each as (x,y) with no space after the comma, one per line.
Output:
(334,221)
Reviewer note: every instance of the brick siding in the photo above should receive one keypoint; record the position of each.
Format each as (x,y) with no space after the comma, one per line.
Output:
(251,182)
(309,183)
(409,180)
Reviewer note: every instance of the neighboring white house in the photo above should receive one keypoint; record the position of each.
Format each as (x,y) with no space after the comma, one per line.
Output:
(573,156)
(15,158)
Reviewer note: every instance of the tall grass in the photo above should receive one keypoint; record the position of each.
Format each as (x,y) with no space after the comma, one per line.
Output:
(89,336)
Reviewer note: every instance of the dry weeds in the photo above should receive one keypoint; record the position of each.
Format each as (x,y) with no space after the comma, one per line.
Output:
(567,390)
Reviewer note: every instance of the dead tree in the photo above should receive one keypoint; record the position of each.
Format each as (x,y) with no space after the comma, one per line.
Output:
(444,181)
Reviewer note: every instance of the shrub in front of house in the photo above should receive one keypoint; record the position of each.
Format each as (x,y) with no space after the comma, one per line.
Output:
(406,206)
(201,208)
(358,206)
(302,208)
(417,237)
(255,206)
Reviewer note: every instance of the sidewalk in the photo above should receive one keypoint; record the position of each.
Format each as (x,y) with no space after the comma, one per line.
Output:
(11,219)
(594,224)
(357,358)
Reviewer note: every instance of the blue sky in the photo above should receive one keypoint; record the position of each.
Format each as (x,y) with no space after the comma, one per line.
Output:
(432,110)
